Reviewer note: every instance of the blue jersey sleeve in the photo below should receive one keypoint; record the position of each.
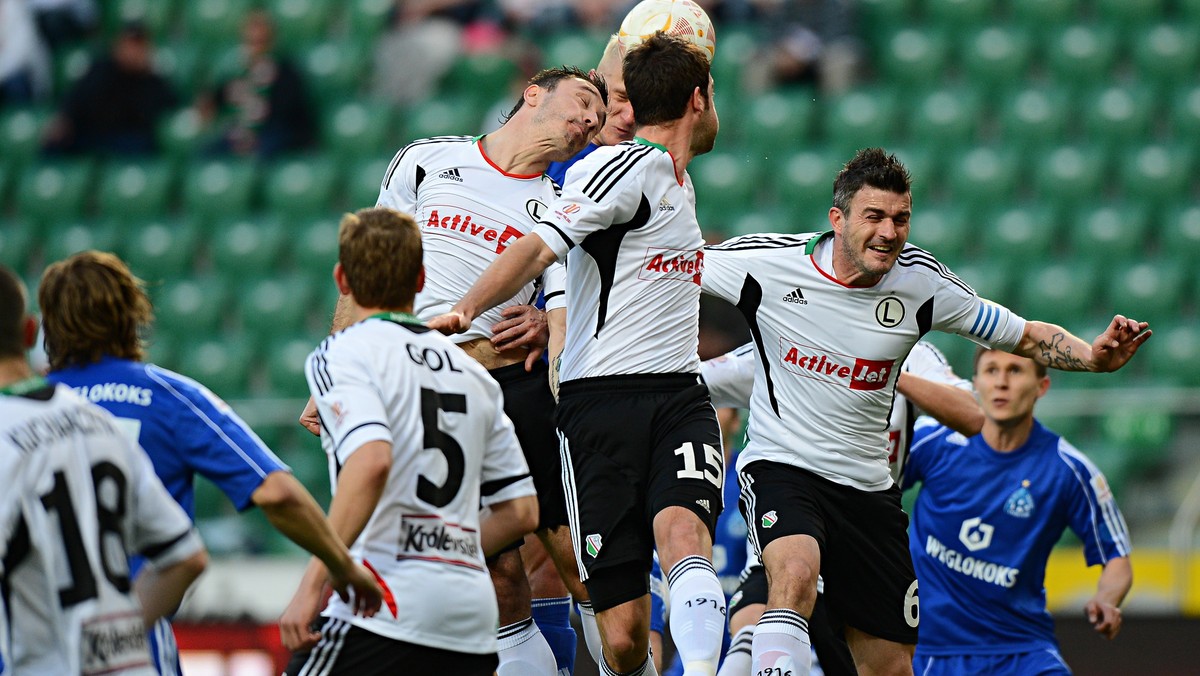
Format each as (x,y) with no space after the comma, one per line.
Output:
(218,444)
(1094,515)
(926,431)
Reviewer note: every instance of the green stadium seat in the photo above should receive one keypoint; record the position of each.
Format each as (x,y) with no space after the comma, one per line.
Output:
(1144,434)
(285,364)
(315,246)
(1114,115)
(189,307)
(181,135)
(1070,175)
(16,244)
(70,65)
(1155,171)
(760,220)
(725,181)
(443,117)
(335,68)
(156,15)
(484,77)
(924,164)
(1116,464)
(366,19)
(803,184)
(1021,233)
(363,183)
(300,22)
(861,119)
(738,47)
(1150,290)
(132,190)
(275,305)
(248,246)
(66,239)
(943,230)
(945,119)
(914,56)
(1059,292)
(1188,10)
(1166,54)
(216,188)
(1104,232)
(214,22)
(877,15)
(1041,15)
(1174,357)
(21,134)
(997,55)
(1033,117)
(572,48)
(1185,117)
(181,64)
(958,13)
(358,129)
(984,176)
(54,192)
(160,350)
(990,280)
(1082,54)
(1181,230)
(777,120)
(222,365)
(301,187)
(161,249)
(1129,13)
(309,464)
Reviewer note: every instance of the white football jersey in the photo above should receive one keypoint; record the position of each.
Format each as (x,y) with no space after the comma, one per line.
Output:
(80,499)
(453,449)
(829,354)
(469,212)
(627,227)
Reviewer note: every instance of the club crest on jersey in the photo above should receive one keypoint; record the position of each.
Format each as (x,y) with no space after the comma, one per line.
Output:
(593,544)
(1020,504)
(769,519)
(834,368)
(1100,486)
(493,237)
(677,265)
(889,312)
(975,534)
(535,208)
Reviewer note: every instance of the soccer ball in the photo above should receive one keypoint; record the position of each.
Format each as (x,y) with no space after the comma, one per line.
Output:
(673,17)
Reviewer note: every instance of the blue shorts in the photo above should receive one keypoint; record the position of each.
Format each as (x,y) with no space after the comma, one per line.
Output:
(658,608)
(1037,663)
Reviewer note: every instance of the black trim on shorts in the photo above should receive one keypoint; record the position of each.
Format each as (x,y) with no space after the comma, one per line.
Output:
(640,382)
(347,650)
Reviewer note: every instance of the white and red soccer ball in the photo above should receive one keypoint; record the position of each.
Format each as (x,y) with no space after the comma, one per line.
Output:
(673,17)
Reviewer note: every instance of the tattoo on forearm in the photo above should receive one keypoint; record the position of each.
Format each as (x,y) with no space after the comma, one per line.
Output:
(1056,355)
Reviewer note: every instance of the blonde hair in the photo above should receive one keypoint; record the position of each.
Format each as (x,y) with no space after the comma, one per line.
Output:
(380,252)
(92,306)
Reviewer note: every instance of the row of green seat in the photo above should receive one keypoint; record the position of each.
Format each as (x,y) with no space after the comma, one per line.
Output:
(1037,14)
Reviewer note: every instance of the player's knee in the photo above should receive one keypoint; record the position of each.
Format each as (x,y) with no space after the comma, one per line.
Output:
(679,533)
(626,648)
(792,581)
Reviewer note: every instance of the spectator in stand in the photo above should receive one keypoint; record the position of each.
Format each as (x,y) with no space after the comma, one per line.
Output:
(423,39)
(115,107)
(263,106)
(24,63)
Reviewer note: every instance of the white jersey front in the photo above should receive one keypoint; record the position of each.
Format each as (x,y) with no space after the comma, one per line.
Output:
(627,227)
(80,498)
(829,354)
(452,448)
(469,212)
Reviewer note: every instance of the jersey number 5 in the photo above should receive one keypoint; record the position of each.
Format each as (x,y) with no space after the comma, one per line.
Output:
(431,403)
(58,500)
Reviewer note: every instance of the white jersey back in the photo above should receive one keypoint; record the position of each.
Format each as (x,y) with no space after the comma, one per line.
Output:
(469,211)
(453,449)
(627,226)
(80,499)
(829,354)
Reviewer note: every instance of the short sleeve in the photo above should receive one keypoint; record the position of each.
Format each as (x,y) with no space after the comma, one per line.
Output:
(352,412)
(398,189)
(1094,515)
(724,272)
(730,377)
(219,445)
(958,309)
(505,474)
(162,532)
(554,287)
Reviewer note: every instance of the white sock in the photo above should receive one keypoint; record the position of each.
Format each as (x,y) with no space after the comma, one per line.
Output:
(647,669)
(591,632)
(737,660)
(524,651)
(697,616)
(781,644)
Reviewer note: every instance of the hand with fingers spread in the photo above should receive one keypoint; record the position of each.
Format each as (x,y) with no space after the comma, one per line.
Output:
(1120,341)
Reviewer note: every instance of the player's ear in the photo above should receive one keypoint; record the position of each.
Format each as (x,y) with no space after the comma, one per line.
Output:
(531,95)
(836,220)
(699,101)
(339,278)
(421,279)
(1043,386)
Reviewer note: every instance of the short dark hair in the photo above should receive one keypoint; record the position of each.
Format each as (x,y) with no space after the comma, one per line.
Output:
(873,167)
(549,78)
(1038,367)
(12,314)
(660,75)
(380,252)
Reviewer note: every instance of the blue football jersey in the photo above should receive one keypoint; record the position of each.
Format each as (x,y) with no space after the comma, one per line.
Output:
(982,529)
(557,171)
(183,427)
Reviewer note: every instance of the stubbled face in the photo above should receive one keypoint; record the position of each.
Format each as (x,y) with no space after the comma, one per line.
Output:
(574,112)
(620,125)
(704,137)
(1008,386)
(869,238)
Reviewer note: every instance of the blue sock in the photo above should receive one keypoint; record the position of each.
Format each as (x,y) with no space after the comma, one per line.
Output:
(553,618)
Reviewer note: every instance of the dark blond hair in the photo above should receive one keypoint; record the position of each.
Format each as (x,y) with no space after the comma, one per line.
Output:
(92,306)
(12,314)
(380,253)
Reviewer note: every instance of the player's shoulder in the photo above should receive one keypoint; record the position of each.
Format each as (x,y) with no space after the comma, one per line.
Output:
(768,240)
(931,436)
(422,150)
(914,261)
(612,163)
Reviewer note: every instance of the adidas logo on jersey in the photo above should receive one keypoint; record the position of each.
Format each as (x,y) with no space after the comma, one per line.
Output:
(796,296)
(664,205)
(451,174)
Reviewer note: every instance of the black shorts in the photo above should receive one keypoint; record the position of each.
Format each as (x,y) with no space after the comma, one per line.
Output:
(752,589)
(863,536)
(637,445)
(350,650)
(529,404)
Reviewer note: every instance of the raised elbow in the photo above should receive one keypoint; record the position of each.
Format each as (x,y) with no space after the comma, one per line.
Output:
(194,565)
(528,514)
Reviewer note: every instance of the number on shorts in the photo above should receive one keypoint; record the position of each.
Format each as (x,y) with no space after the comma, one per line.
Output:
(912,606)
(714,464)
